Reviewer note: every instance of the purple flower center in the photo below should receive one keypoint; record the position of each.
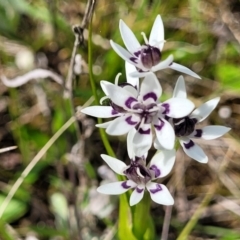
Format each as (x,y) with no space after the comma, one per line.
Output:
(138,172)
(149,56)
(184,126)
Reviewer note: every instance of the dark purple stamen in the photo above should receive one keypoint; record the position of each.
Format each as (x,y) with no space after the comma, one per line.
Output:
(138,172)
(184,126)
(141,131)
(150,56)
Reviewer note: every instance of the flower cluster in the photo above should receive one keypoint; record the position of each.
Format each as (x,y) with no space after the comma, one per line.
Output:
(138,112)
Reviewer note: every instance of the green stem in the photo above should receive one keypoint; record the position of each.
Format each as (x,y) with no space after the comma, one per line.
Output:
(94,90)
(4,234)
(142,218)
(193,221)
(90,62)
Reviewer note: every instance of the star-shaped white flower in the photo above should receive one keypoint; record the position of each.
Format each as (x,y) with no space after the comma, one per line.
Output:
(147,57)
(140,177)
(140,109)
(185,127)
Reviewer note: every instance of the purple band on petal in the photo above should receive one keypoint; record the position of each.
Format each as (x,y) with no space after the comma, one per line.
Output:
(129,102)
(198,133)
(189,144)
(133,59)
(141,131)
(139,190)
(150,95)
(167,108)
(129,121)
(156,171)
(157,189)
(159,127)
(114,112)
(137,54)
(124,185)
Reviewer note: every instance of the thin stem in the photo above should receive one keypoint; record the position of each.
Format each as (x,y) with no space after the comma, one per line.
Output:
(94,89)
(168,211)
(68,85)
(166,223)
(78,32)
(6,149)
(90,62)
(190,225)
(34,161)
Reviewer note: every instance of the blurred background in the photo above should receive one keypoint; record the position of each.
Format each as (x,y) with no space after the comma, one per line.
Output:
(58,198)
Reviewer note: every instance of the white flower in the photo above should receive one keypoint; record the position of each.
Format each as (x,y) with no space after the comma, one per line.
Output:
(140,109)
(185,127)
(147,57)
(140,177)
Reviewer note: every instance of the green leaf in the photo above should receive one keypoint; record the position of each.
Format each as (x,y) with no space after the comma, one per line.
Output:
(142,219)
(59,208)
(125,220)
(14,210)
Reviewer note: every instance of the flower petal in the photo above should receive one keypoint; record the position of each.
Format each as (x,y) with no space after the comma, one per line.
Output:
(123,53)
(132,80)
(163,64)
(142,140)
(115,164)
(104,85)
(177,107)
(205,109)
(162,162)
(139,74)
(212,132)
(157,145)
(180,89)
(119,95)
(128,37)
(160,194)
(183,69)
(104,125)
(130,147)
(132,90)
(194,151)
(122,125)
(157,33)
(137,195)
(165,133)
(150,89)
(116,187)
(101,111)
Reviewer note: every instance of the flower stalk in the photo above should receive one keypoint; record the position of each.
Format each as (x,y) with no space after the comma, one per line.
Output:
(142,219)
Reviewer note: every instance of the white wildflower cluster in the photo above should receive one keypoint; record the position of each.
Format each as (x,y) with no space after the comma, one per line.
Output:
(137,111)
